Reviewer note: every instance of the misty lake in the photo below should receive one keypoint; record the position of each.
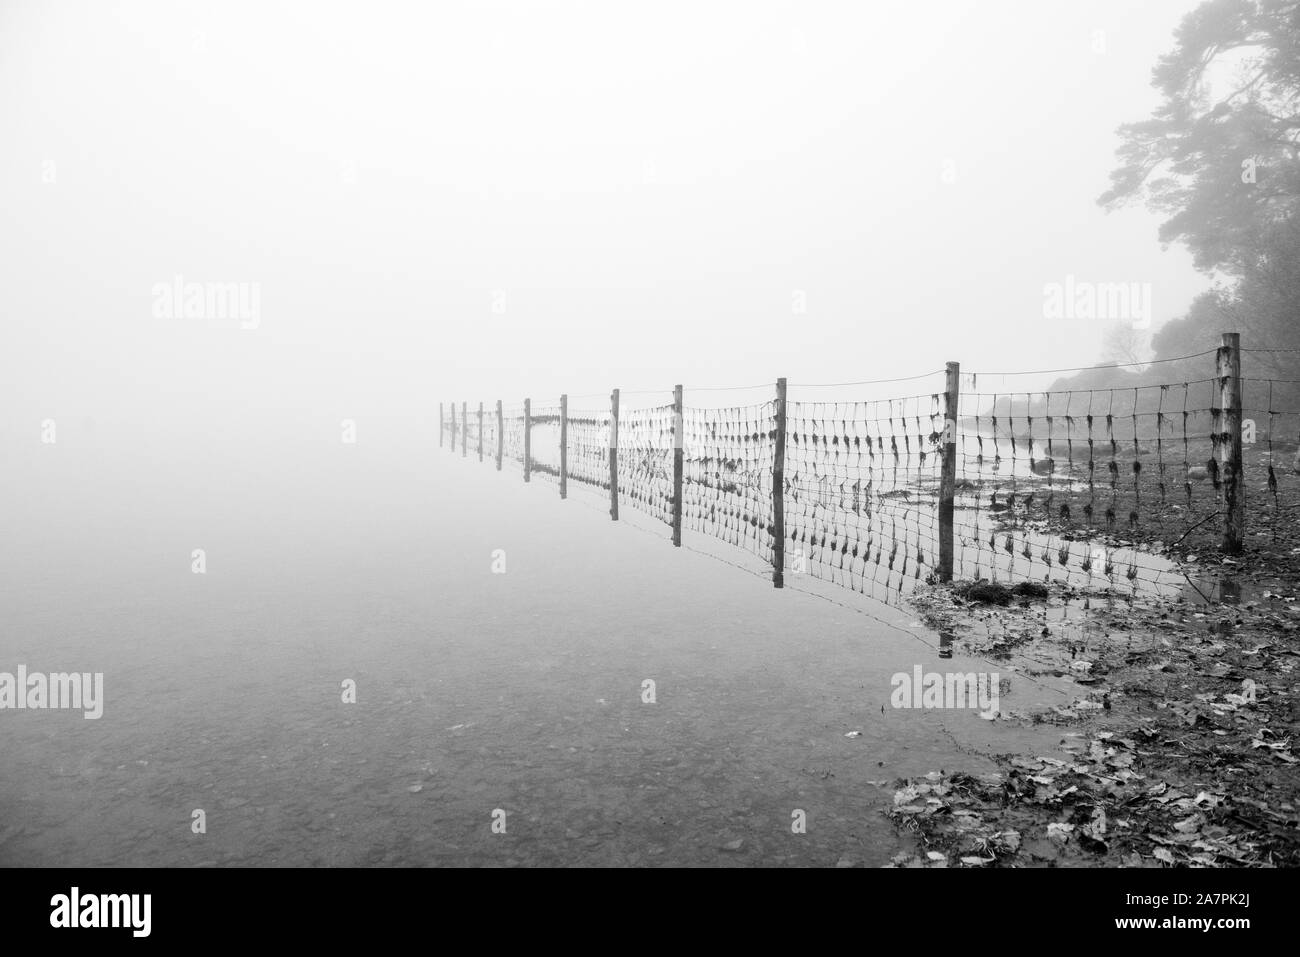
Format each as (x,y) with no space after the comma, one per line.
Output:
(476,692)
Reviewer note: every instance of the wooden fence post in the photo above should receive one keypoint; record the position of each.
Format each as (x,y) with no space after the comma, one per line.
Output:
(778,490)
(442,427)
(677,465)
(480,431)
(528,439)
(564,446)
(948,475)
(501,435)
(613,455)
(1234,489)
(464,429)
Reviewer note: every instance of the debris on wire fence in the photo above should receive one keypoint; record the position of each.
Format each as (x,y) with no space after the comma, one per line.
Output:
(951,480)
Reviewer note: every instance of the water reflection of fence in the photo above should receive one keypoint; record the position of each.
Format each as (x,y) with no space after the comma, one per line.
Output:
(876,495)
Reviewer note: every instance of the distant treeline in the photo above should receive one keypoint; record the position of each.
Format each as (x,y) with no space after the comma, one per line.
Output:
(1169,398)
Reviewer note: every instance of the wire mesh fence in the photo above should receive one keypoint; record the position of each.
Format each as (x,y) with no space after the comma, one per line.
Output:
(588,449)
(974,479)
(861,485)
(512,434)
(727,475)
(1271,435)
(645,461)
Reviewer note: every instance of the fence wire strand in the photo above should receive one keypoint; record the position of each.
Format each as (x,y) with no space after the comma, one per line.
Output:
(1052,485)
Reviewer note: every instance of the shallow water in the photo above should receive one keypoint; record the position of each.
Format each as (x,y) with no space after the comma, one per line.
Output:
(475,691)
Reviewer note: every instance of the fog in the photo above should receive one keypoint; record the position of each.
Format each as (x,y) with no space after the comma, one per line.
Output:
(499,200)
(386,206)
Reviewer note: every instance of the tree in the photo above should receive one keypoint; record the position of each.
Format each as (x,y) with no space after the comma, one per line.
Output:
(1126,345)
(1210,314)
(1266,302)
(1221,154)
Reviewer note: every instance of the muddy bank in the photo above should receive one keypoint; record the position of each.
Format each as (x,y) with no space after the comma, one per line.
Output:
(1170,502)
(1177,749)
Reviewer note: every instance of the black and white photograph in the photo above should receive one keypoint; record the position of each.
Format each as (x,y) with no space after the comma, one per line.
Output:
(556,436)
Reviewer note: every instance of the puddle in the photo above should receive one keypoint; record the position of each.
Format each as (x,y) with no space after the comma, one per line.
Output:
(1218,588)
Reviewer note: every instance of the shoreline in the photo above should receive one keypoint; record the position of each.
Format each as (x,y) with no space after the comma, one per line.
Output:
(1176,751)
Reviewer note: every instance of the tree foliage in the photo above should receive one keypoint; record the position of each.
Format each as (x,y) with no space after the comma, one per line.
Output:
(1220,157)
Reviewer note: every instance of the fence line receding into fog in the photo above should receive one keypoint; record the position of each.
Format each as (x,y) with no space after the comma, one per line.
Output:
(877,494)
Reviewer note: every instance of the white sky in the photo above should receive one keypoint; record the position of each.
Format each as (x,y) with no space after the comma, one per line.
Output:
(649,185)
